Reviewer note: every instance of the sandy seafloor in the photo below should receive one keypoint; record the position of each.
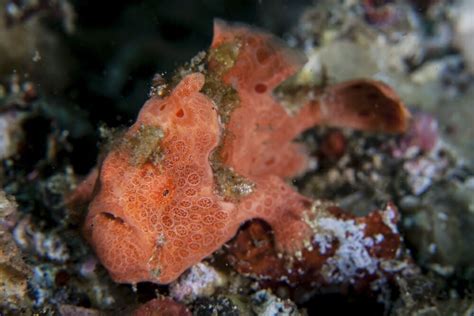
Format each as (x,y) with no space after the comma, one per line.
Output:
(73,73)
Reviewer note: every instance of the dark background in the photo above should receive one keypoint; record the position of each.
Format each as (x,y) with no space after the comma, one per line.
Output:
(118,46)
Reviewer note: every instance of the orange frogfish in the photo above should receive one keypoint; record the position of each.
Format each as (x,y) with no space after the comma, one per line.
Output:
(214,151)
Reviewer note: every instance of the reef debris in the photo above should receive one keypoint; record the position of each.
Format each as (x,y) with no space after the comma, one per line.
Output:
(265,303)
(161,307)
(14,272)
(200,280)
(344,250)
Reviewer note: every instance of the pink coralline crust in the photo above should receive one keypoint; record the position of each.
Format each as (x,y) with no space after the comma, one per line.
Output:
(156,210)
(161,307)
(422,136)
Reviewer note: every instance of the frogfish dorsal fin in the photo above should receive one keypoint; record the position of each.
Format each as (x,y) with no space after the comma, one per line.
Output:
(261,60)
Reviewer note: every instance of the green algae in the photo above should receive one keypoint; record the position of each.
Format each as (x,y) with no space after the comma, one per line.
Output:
(145,145)
(229,183)
(221,59)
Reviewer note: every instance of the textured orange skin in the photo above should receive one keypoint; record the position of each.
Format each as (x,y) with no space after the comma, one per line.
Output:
(259,139)
(150,222)
(166,215)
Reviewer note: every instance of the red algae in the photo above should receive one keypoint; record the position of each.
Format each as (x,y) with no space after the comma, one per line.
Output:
(161,307)
(344,249)
(159,206)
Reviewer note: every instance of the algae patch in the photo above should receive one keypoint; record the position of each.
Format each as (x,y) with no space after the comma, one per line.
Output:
(145,145)
(221,59)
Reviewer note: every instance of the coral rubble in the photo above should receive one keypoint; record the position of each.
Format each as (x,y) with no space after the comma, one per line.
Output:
(14,272)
